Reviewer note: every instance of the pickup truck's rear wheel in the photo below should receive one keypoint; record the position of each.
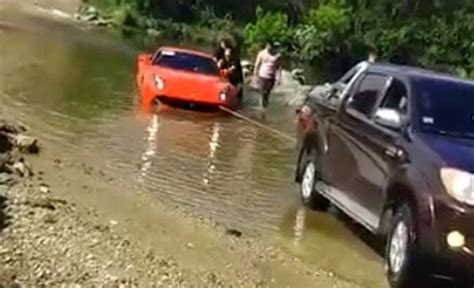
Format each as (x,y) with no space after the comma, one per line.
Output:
(402,263)
(309,195)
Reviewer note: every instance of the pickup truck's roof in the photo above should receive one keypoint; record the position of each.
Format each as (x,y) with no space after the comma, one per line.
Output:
(414,72)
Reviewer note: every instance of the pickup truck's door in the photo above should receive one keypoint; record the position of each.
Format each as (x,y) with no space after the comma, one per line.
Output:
(382,147)
(351,166)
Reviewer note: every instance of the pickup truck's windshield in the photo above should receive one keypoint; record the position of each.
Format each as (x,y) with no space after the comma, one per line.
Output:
(445,106)
(187,62)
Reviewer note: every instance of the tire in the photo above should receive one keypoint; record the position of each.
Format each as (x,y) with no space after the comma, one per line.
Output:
(309,177)
(403,265)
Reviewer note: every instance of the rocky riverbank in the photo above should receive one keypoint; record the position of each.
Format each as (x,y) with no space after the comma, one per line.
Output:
(47,241)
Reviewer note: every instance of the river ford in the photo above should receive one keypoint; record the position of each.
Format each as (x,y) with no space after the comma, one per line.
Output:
(75,90)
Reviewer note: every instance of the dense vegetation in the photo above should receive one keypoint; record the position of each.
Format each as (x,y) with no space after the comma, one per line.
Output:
(438,34)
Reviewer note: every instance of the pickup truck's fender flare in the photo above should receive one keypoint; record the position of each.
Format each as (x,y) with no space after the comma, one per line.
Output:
(401,186)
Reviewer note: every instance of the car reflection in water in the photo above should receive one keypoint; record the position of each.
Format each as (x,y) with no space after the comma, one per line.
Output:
(150,146)
(213,144)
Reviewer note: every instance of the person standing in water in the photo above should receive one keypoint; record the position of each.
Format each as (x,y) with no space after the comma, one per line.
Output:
(267,72)
(373,56)
(231,64)
(219,52)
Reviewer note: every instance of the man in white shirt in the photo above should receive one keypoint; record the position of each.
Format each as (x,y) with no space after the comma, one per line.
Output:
(267,72)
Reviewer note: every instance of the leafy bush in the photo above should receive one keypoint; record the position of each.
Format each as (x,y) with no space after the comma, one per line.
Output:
(324,30)
(434,34)
(269,26)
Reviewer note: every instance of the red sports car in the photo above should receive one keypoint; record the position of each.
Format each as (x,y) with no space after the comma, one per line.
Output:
(183,75)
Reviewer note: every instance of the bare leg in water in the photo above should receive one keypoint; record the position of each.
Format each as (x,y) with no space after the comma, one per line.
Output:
(266,90)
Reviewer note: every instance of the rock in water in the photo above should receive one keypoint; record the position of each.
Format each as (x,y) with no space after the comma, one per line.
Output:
(4,178)
(5,144)
(298,75)
(233,232)
(43,188)
(8,127)
(22,168)
(26,143)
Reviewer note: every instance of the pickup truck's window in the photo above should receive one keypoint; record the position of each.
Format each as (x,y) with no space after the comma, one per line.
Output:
(347,78)
(349,75)
(187,62)
(396,97)
(445,106)
(365,98)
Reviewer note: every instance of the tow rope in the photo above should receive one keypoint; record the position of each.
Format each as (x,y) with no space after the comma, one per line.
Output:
(258,124)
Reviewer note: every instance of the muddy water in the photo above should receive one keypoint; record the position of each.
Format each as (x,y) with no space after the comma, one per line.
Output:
(75,89)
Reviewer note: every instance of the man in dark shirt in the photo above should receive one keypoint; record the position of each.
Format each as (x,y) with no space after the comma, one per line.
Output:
(219,52)
(231,64)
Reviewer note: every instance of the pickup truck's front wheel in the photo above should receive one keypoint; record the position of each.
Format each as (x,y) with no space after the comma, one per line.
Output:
(403,265)
(309,195)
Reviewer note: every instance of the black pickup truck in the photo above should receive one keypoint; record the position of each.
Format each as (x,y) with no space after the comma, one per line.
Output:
(393,148)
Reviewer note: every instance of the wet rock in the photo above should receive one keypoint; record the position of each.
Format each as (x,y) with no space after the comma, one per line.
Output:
(44,203)
(247,68)
(233,232)
(102,228)
(5,143)
(26,143)
(298,75)
(22,168)
(10,127)
(49,219)
(91,15)
(101,22)
(43,188)
(87,169)
(6,179)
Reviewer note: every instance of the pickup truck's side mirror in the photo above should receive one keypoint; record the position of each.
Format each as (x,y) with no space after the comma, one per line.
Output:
(389,118)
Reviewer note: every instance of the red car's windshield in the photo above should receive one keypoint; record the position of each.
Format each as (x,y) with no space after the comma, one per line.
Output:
(187,62)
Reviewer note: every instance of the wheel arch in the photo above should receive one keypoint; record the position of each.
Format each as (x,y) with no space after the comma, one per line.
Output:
(397,193)
(311,142)
(407,186)
(399,189)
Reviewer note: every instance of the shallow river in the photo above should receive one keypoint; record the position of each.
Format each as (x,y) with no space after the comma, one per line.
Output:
(75,90)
